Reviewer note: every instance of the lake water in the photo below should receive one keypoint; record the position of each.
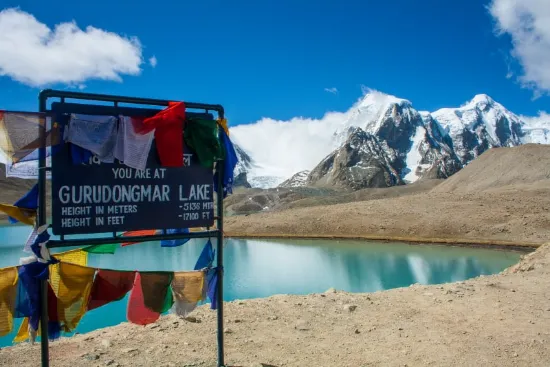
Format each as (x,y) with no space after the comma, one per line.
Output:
(260,268)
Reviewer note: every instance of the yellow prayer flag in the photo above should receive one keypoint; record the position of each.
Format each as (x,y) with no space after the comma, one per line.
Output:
(23,333)
(223,124)
(8,294)
(73,291)
(78,257)
(23,215)
(188,286)
(70,310)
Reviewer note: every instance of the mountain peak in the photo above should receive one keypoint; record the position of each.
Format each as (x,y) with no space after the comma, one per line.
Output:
(480,99)
(374,97)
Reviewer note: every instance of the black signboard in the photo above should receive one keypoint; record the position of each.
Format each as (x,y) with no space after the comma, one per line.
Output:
(111,197)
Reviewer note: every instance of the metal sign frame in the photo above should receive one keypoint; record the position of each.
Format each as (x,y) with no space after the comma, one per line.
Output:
(43,98)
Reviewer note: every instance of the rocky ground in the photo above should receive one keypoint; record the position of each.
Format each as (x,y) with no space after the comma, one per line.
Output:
(508,216)
(499,320)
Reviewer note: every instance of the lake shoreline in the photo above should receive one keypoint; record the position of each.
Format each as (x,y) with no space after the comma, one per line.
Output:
(417,241)
(496,320)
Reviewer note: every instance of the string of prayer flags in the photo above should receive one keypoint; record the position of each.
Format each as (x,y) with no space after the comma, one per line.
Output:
(8,295)
(74,288)
(202,137)
(175,243)
(110,286)
(188,288)
(168,125)
(206,257)
(137,312)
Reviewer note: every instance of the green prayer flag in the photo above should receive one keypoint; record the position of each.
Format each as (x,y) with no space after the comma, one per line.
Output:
(101,249)
(202,137)
(168,300)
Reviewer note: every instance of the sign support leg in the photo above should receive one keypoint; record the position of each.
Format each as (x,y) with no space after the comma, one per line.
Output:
(219,195)
(41,220)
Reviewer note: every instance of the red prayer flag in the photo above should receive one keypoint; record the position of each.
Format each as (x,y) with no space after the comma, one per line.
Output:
(144,232)
(168,125)
(137,312)
(110,286)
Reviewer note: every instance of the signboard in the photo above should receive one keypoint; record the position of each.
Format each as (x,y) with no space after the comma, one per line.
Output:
(112,197)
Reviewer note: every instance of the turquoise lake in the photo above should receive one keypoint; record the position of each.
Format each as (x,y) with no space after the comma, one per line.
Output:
(260,268)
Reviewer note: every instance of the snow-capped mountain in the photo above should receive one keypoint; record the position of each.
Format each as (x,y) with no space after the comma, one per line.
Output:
(381,140)
(241,169)
(298,180)
(537,130)
(245,166)
(479,125)
(395,145)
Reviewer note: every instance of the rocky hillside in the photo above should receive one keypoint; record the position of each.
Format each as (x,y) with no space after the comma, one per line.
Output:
(363,161)
(524,167)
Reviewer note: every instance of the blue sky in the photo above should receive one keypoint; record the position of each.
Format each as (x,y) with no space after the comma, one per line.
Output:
(278,58)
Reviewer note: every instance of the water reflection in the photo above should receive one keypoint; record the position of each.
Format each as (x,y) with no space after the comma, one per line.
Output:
(260,268)
(314,266)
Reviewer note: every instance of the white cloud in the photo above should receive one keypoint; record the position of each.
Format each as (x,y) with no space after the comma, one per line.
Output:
(34,54)
(331,90)
(286,147)
(153,61)
(283,148)
(527,22)
(542,120)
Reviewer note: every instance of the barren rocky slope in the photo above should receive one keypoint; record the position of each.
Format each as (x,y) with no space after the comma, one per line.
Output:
(504,195)
(498,168)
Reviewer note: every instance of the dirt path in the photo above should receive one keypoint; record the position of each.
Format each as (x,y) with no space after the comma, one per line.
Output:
(499,320)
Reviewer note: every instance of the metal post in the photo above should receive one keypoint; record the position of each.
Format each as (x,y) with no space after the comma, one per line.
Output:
(219,169)
(40,221)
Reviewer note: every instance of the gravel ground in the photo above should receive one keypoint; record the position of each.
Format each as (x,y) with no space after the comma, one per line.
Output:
(499,320)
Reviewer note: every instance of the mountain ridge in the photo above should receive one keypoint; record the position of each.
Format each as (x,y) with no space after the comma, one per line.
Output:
(420,144)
